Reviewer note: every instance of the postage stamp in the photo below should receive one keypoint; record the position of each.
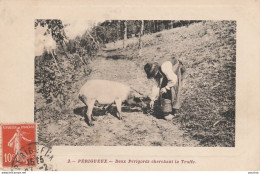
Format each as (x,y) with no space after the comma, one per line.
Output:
(14,138)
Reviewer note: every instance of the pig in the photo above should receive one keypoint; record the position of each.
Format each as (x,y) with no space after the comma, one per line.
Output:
(107,92)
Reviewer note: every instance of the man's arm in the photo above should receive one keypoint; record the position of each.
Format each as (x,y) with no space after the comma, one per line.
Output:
(154,95)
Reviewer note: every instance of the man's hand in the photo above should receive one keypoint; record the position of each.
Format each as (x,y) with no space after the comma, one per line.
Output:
(151,104)
(163,90)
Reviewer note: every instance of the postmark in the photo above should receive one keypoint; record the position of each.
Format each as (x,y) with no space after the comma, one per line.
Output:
(42,161)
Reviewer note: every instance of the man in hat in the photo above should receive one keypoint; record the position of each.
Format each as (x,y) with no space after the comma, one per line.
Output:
(169,76)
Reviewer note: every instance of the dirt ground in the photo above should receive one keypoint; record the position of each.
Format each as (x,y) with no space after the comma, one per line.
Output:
(207,117)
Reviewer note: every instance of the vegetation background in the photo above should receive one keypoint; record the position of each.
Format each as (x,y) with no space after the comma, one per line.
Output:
(117,50)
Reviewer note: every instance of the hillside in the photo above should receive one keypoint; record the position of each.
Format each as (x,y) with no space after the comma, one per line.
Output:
(207,116)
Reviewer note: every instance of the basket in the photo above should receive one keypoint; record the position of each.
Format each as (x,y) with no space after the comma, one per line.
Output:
(166,105)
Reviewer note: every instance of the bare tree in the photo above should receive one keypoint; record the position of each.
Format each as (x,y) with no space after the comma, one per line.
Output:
(125,35)
(140,46)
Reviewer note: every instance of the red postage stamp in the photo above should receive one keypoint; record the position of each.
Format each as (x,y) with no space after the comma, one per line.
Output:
(18,144)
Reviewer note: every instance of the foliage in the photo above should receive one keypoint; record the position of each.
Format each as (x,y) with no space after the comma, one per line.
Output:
(54,26)
(57,86)
(56,81)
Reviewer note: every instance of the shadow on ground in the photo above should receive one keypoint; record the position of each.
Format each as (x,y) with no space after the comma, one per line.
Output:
(119,56)
(99,111)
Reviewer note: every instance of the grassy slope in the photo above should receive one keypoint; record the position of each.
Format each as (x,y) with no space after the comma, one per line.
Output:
(209,52)
(207,117)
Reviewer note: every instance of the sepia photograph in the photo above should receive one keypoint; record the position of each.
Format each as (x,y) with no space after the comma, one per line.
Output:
(135,82)
(129,85)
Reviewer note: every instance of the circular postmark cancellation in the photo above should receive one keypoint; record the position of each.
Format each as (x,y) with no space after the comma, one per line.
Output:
(33,157)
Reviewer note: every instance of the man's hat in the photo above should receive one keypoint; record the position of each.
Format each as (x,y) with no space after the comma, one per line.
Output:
(151,69)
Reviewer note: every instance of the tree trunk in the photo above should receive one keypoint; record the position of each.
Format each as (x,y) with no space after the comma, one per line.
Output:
(118,30)
(154,29)
(171,24)
(140,46)
(125,35)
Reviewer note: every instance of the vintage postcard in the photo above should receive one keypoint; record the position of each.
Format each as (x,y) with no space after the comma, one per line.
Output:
(129,85)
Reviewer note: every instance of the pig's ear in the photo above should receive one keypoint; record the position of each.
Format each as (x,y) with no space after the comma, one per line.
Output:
(131,94)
